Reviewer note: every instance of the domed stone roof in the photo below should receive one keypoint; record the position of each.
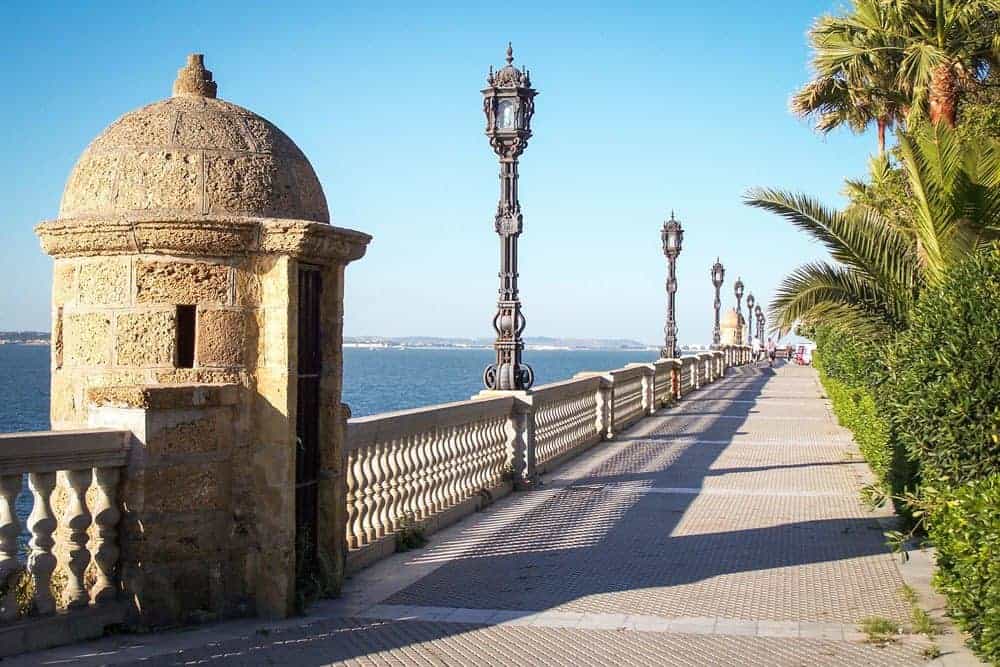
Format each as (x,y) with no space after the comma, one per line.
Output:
(193,156)
(730,319)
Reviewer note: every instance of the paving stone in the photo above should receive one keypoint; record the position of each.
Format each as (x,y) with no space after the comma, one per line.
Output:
(358,642)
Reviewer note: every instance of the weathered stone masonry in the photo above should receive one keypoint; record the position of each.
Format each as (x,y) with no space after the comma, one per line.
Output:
(193,210)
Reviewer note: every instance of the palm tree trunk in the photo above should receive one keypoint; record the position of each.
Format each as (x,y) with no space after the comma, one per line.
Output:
(882,122)
(944,95)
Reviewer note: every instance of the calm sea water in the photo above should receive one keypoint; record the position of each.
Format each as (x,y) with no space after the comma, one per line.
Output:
(24,388)
(374,380)
(384,380)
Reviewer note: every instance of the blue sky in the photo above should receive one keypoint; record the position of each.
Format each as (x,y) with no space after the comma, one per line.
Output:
(643,108)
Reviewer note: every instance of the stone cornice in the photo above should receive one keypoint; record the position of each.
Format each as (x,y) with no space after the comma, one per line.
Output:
(211,236)
(163,397)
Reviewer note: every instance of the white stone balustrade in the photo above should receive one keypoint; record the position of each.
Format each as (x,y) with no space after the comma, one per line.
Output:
(689,375)
(666,381)
(403,467)
(569,417)
(629,400)
(80,458)
(704,368)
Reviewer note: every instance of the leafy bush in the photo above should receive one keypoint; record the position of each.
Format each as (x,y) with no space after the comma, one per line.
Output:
(855,362)
(856,410)
(964,525)
(944,390)
(854,374)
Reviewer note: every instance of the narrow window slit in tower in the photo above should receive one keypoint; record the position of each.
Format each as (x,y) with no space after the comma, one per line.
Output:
(185,336)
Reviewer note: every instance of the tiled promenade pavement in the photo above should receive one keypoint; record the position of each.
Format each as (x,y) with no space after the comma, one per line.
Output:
(726,530)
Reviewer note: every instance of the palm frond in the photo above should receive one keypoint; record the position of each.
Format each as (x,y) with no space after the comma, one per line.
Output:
(862,240)
(816,291)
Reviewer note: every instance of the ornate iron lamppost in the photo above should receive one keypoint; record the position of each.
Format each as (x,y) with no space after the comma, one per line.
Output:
(508,102)
(718,275)
(672,236)
(738,291)
(760,321)
(750,318)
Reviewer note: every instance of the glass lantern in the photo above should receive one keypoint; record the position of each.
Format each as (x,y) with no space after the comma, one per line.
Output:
(673,237)
(507,116)
(718,273)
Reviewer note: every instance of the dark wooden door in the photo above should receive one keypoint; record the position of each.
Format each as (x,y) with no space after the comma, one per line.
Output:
(307,457)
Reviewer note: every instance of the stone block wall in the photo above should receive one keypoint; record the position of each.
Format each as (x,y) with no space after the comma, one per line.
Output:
(115,323)
(183,546)
(213,512)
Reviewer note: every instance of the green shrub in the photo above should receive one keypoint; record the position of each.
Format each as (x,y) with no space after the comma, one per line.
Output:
(854,374)
(944,387)
(964,525)
(856,410)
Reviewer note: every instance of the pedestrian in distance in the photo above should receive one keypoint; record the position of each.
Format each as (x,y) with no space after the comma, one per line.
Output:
(755,348)
(772,351)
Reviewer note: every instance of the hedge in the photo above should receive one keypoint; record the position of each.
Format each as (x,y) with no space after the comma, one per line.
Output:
(944,387)
(964,526)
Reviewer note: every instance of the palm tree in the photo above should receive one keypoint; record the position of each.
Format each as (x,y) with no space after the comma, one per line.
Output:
(941,48)
(950,45)
(955,191)
(879,267)
(857,91)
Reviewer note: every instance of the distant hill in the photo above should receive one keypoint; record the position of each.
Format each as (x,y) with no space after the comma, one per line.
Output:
(24,337)
(535,342)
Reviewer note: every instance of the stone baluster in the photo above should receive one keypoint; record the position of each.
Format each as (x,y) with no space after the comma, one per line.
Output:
(42,523)
(433,477)
(351,490)
(409,500)
(453,463)
(378,486)
(440,474)
(10,528)
(464,457)
(77,519)
(470,476)
(106,517)
(368,488)
(395,478)
(424,462)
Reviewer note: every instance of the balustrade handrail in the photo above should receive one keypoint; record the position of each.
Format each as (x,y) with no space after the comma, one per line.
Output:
(563,388)
(52,451)
(629,372)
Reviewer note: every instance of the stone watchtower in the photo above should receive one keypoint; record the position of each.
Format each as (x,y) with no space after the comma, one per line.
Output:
(730,328)
(198,301)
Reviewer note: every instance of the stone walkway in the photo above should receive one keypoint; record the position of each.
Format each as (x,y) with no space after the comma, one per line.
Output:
(724,530)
